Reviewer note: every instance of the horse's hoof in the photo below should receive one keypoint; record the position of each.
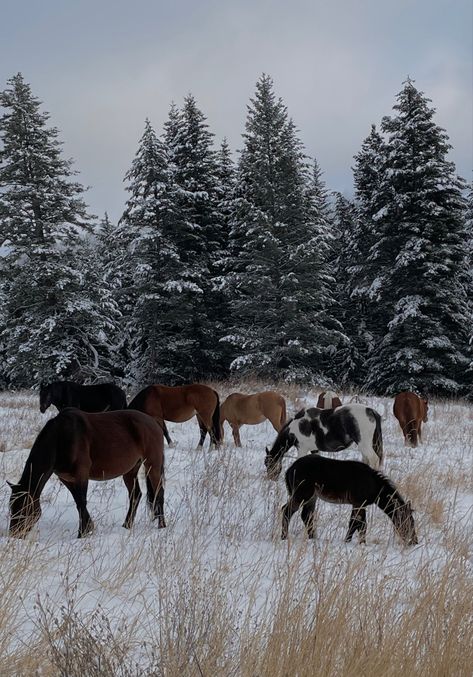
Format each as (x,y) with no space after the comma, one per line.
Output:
(161,524)
(126,525)
(171,445)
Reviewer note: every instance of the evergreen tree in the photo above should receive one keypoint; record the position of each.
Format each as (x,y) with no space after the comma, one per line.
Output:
(420,257)
(350,356)
(55,316)
(275,283)
(197,234)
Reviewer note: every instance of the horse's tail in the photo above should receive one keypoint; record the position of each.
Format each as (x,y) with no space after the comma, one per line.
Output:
(411,432)
(217,431)
(282,419)
(378,438)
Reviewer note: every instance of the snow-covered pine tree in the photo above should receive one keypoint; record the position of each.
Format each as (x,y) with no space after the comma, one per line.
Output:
(56,317)
(421,257)
(152,279)
(349,359)
(198,234)
(357,274)
(275,281)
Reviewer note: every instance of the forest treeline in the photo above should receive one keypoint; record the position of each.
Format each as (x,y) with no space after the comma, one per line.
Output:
(238,264)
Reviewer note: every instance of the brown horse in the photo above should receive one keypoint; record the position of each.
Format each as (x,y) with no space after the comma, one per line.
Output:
(179,404)
(241,410)
(328,400)
(78,447)
(411,411)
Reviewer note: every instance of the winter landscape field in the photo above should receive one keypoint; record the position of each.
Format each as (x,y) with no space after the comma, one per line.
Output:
(218,592)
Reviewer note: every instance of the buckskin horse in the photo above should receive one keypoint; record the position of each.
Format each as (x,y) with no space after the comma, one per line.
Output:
(411,411)
(345,482)
(239,409)
(329,430)
(78,447)
(179,404)
(94,398)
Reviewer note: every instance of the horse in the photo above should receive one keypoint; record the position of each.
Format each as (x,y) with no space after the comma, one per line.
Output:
(328,400)
(239,409)
(347,482)
(179,404)
(95,398)
(411,411)
(331,430)
(78,447)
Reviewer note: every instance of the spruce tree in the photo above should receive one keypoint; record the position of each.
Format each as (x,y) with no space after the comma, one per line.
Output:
(55,316)
(197,234)
(421,257)
(276,284)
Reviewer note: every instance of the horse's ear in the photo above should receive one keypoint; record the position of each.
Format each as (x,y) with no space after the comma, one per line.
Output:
(267,451)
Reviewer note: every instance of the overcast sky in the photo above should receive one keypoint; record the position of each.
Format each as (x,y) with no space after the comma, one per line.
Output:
(102,66)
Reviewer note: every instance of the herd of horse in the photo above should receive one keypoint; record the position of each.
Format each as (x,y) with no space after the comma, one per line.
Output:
(97,435)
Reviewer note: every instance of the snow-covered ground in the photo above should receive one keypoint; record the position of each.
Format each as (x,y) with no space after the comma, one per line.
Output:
(213,592)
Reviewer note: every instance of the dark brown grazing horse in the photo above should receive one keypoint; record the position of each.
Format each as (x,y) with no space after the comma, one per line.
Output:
(411,411)
(95,398)
(78,447)
(328,400)
(312,477)
(239,409)
(179,404)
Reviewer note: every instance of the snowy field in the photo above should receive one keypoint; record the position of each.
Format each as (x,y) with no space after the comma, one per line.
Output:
(217,592)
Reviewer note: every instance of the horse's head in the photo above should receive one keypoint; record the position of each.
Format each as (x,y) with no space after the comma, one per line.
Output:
(404,521)
(25,511)
(273,460)
(45,397)
(273,466)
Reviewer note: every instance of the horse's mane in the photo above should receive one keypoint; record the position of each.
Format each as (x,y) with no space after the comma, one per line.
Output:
(140,398)
(389,485)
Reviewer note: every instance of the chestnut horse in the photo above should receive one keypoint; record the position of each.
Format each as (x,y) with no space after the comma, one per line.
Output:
(411,411)
(352,482)
(328,400)
(179,404)
(78,447)
(239,409)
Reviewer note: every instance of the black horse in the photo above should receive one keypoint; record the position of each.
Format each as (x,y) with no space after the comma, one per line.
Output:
(96,398)
(352,482)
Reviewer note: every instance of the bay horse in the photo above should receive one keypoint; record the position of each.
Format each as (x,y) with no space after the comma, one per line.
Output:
(328,400)
(78,447)
(331,430)
(411,411)
(179,404)
(347,482)
(94,398)
(239,409)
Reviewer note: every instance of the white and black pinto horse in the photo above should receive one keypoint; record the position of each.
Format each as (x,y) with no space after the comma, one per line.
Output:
(331,430)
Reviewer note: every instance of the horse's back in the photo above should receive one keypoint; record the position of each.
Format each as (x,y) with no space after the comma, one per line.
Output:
(117,440)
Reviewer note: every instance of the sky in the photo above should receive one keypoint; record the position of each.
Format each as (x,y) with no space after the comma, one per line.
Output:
(101,67)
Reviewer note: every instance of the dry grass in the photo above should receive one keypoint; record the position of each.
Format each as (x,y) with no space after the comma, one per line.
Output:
(217,593)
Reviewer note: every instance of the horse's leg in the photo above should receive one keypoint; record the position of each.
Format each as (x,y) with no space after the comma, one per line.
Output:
(203,433)
(307,515)
(155,492)
(288,511)
(166,433)
(357,523)
(134,494)
(79,494)
(236,434)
